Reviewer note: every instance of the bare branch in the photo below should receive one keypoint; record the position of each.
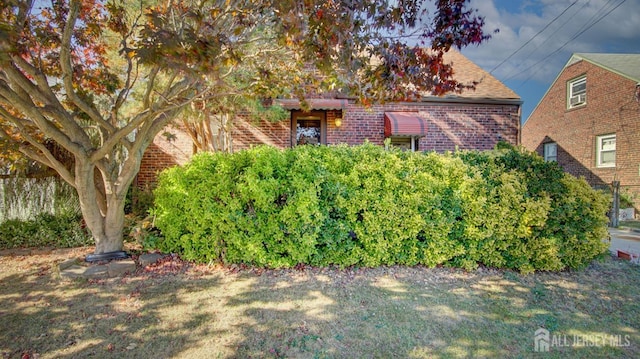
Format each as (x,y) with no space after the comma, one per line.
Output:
(151,82)
(151,115)
(161,118)
(40,78)
(129,82)
(66,66)
(155,120)
(23,13)
(12,99)
(16,76)
(48,99)
(170,85)
(45,156)
(44,86)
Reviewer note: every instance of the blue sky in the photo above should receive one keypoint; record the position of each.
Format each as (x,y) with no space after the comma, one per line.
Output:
(609,26)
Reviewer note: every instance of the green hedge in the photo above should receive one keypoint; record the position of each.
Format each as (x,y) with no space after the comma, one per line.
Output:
(62,230)
(365,206)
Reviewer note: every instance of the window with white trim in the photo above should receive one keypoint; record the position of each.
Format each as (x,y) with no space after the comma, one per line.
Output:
(577,92)
(551,152)
(405,143)
(606,151)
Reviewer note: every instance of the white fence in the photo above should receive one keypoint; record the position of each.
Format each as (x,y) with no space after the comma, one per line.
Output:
(24,198)
(626,214)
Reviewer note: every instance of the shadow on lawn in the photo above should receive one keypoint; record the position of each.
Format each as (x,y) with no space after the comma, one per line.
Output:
(316,313)
(416,312)
(44,316)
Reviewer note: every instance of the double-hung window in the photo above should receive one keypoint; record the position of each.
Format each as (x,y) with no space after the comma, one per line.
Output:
(551,152)
(606,151)
(577,92)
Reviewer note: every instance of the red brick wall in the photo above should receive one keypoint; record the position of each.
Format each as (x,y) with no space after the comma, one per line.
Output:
(172,146)
(247,133)
(610,108)
(466,126)
(450,125)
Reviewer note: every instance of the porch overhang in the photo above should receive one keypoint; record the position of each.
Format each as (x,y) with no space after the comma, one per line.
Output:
(404,124)
(314,104)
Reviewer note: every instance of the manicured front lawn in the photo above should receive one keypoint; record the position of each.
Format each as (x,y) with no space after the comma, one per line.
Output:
(178,310)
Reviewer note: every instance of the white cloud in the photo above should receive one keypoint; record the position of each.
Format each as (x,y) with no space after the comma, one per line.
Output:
(545,55)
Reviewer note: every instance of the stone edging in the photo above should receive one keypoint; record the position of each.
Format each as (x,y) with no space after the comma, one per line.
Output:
(77,268)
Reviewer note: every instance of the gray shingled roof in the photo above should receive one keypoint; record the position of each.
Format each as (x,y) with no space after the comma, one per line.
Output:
(466,71)
(627,65)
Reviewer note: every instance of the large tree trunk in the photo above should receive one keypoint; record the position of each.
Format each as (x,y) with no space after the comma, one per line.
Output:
(113,224)
(102,212)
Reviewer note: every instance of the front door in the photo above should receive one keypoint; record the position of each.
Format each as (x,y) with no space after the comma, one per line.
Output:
(308,128)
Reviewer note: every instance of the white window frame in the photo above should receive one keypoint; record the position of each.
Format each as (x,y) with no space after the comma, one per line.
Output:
(400,141)
(551,152)
(600,143)
(576,98)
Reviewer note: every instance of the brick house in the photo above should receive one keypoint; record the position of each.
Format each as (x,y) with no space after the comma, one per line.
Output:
(589,120)
(474,119)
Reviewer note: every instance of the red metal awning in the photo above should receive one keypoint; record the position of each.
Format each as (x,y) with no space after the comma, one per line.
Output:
(314,103)
(404,124)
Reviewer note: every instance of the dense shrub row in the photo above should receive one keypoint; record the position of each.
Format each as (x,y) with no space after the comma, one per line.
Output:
(61,230)
(367,206)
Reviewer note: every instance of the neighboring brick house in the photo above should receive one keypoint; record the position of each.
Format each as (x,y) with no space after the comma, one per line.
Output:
(474,119)
(589,120)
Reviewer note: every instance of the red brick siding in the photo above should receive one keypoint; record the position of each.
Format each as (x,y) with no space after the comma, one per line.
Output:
(478,127)
(610,108)
(466,126)
(450,126)
(170,147)
(247,134)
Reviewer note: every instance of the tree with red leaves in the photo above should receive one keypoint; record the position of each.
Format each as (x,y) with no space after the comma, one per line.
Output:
(101,79)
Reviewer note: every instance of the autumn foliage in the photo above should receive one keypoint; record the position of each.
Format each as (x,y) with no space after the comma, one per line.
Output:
(101,79)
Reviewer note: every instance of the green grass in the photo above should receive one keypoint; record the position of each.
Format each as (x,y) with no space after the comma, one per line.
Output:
(630,224)
(211,312)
